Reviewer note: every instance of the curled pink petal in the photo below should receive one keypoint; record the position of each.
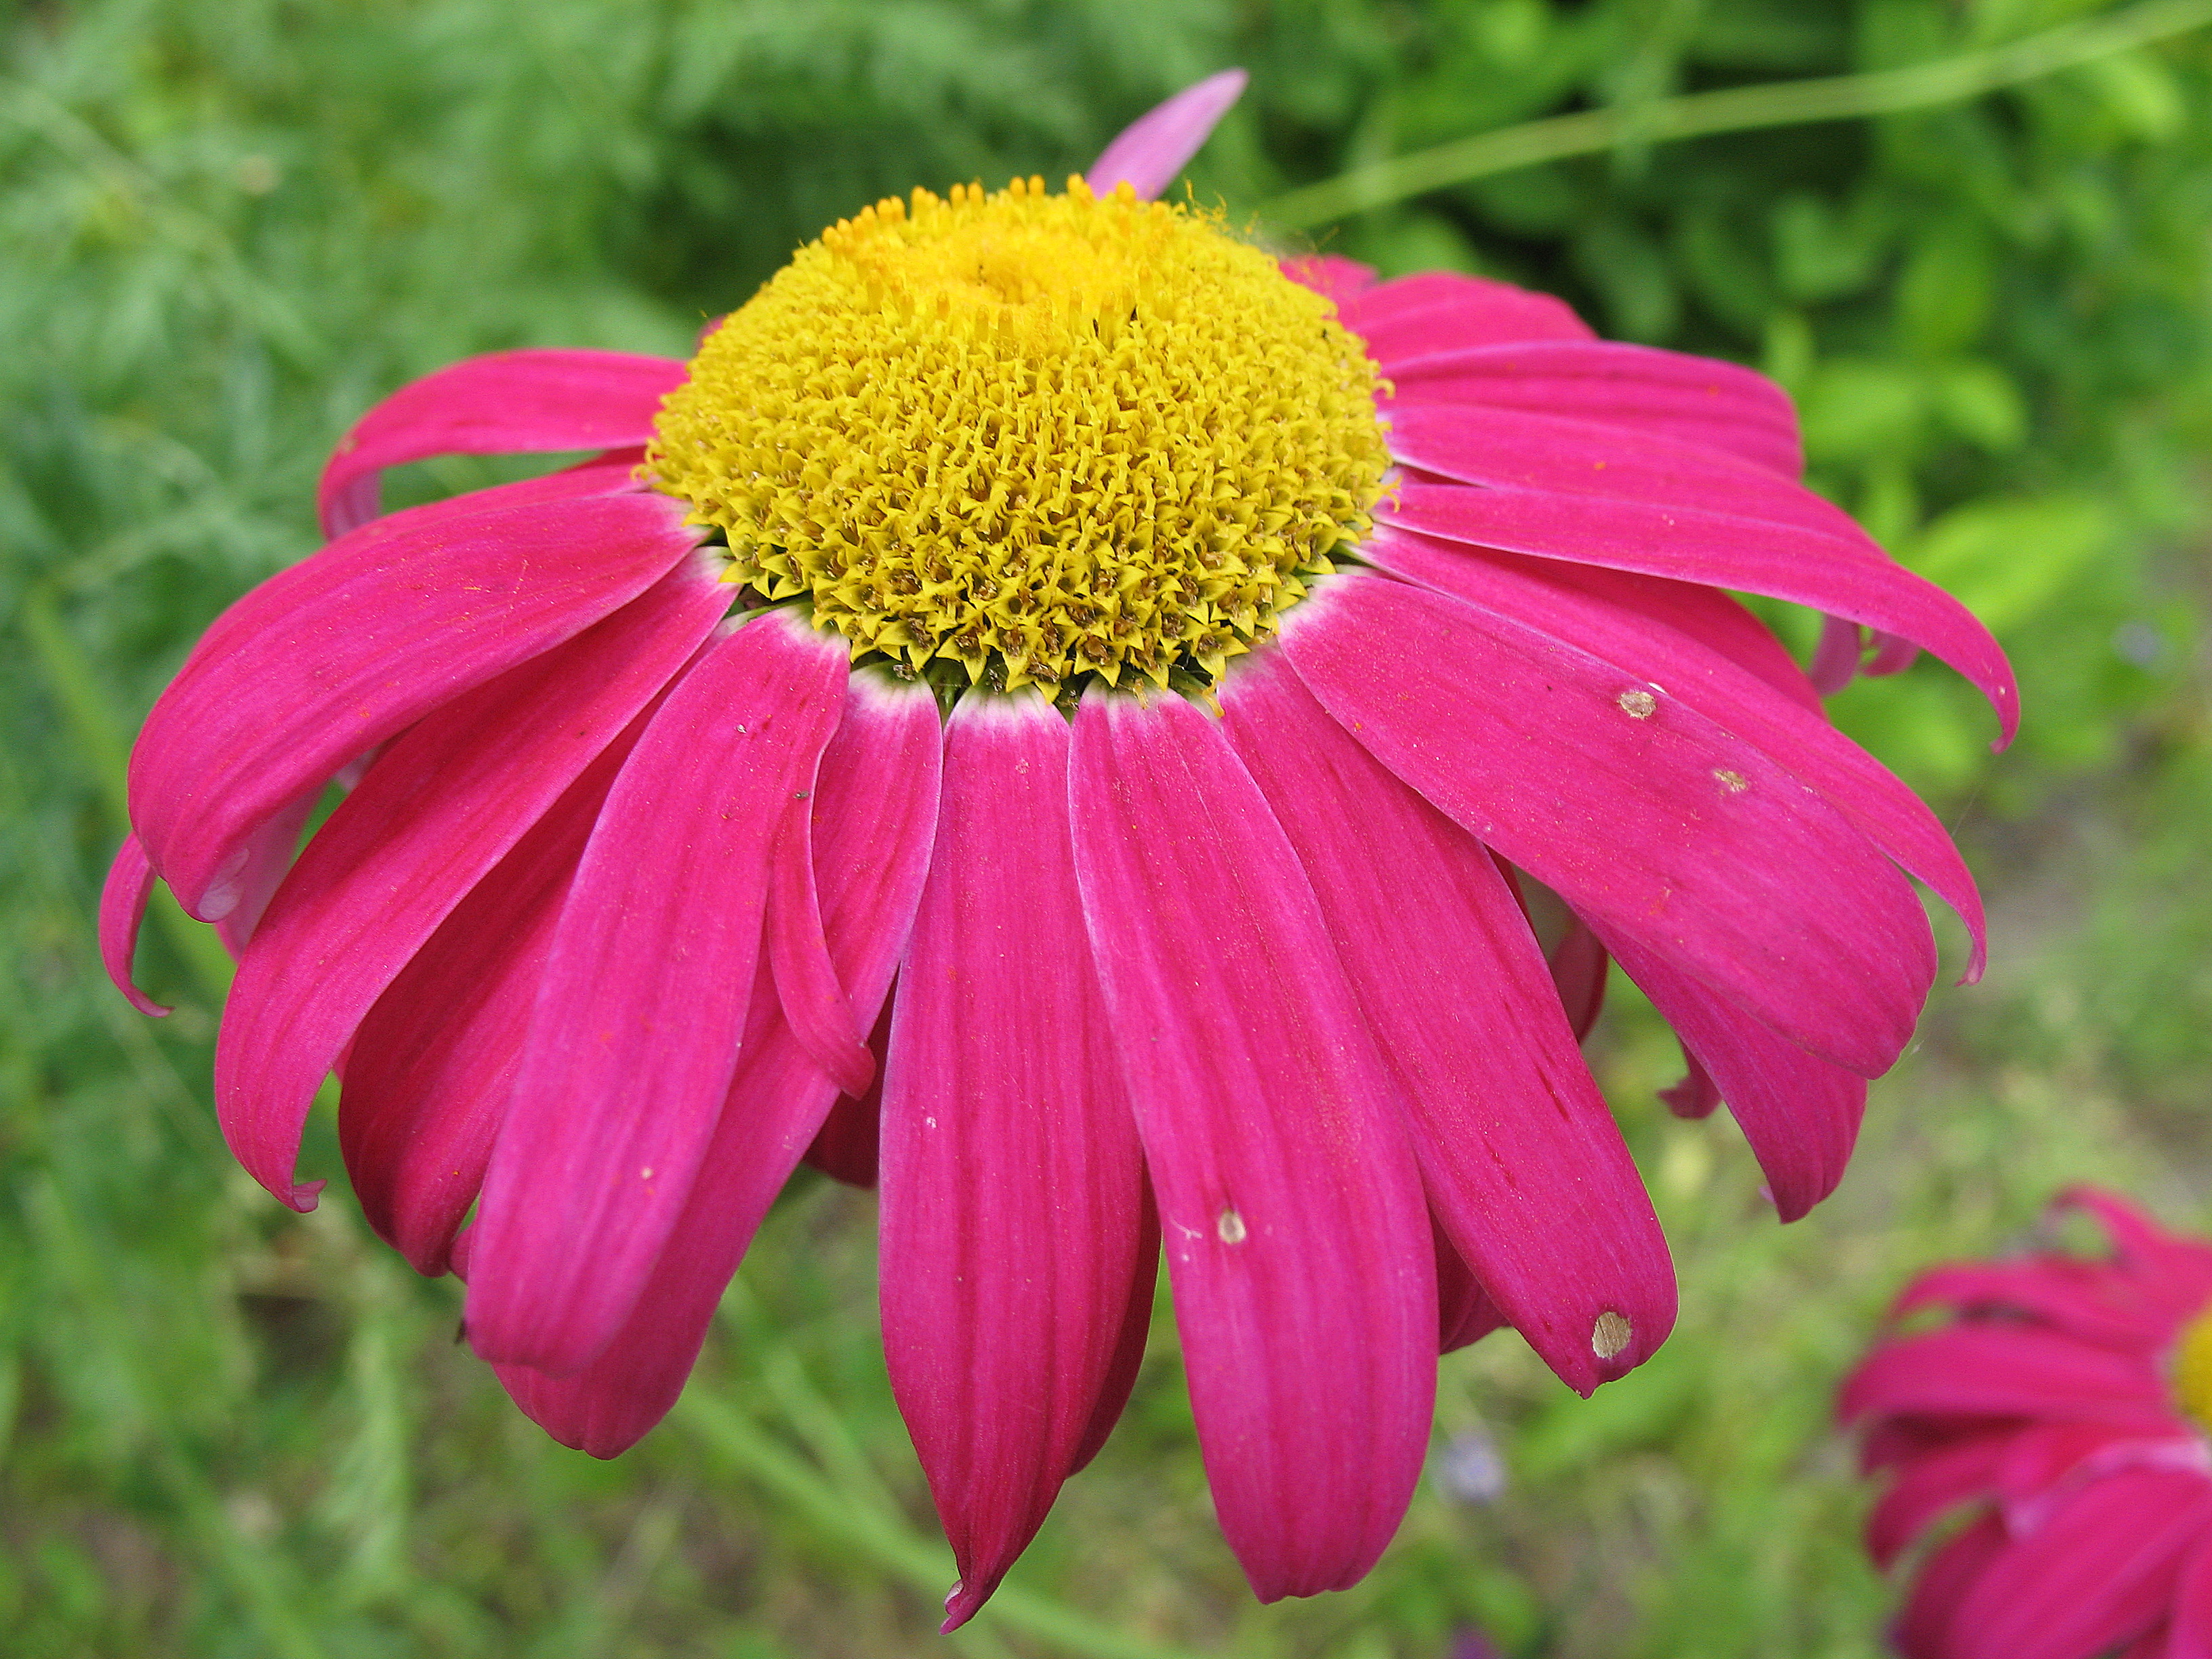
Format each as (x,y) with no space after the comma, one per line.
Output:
(644,1001)
(122,913)
(504,404)
(814,1004)
(1840,574)
(1289,1203)
(1651,819)
(1578,964)
(1524,1169)
(875,813)
(1465,1312)
(1148,154)
(442,805)
(1136,1330)
(845,1147)
(1010,1176)
(1892,655)
(1697,1095)
(263,861)
(1665,393)
(346,649)
(1836,659)
(1800,1114)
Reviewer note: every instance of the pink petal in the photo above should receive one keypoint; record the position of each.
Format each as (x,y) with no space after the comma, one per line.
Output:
(1697,1095)
(845,1147)
(2099,1572)
(1836,659)
(1990,1371)
(1530,449)
(1892,655)
(122,913)
(1654,822)
(2084,1300)
(1708,616)
(268,850)
(1289,1198)
(1414,316)
(1801,1115)
(644,1002)
(1136,1330)
(614,472)
(1465,1312)
(1924,1629)
(1929,1487)
(507,403)
(1835,573)
(1578,964)
(1329,274)
(1151,150)
(428,1073)
(344,650)
(1665,394)
(442,805)
(813,1003)
(1010,1175)
(2190,1637)
(2184,1262)
(1718,683)
(875,814)
(1525,1170)
(2044,1458)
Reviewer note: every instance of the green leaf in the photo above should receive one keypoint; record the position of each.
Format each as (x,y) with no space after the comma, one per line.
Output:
(2009,561)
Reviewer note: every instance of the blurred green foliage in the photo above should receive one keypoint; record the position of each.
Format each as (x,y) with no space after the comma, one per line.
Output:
(226,1430)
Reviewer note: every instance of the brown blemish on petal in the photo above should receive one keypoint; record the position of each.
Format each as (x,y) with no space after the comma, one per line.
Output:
(1611,1334)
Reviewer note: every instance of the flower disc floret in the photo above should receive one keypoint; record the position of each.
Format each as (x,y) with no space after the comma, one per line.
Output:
(2192,1369)
(1043,436)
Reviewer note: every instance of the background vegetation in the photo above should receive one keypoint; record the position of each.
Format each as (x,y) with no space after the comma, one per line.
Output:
(227,1429)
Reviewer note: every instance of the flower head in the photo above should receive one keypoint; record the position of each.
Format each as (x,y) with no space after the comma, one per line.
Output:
(1051,710)
(2059,1419)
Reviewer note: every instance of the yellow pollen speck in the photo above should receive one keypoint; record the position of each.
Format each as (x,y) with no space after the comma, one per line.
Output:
(1041,436)
(2192,1369)
(1610,1335)
(1735,782)
(1230,1227)
(1639,705)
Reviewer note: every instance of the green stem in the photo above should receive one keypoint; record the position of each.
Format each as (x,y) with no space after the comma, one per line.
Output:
(885,1539)
(1739,109)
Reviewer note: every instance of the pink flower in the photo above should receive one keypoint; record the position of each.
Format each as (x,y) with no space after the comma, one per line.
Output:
(1166,698)
(2058,1419)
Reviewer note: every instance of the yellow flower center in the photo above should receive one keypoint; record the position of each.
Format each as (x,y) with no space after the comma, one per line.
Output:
(1040,436)
(2192,1369)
